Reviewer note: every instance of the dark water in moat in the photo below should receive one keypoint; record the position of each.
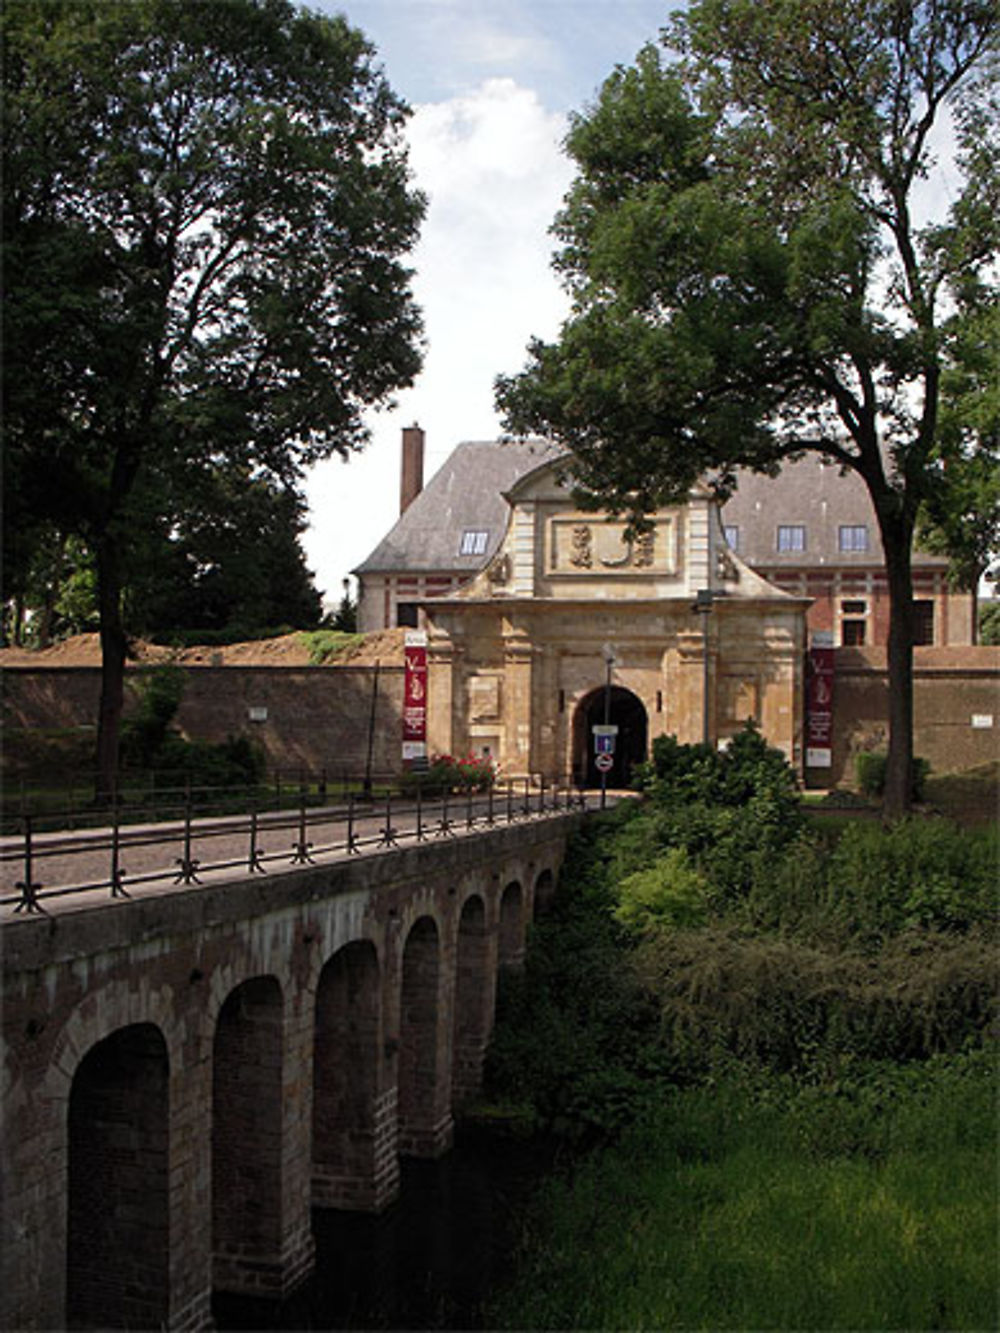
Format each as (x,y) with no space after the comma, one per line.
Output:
(430,1261)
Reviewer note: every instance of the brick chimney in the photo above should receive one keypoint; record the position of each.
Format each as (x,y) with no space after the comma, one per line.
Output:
(411,479)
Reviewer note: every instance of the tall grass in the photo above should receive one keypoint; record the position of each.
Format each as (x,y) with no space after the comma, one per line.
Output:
(740,1208)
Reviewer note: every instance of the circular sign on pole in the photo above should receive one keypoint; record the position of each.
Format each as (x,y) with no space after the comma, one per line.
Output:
(604,763)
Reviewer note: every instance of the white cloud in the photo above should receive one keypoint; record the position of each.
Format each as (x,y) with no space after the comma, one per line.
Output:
(491,165)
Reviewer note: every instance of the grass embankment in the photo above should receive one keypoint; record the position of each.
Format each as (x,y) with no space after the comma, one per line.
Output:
(772,1041)
(778,1208)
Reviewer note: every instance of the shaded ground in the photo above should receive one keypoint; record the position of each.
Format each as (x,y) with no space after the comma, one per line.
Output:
(972,797)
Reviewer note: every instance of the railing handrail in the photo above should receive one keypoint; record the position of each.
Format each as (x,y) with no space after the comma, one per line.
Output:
(356,826)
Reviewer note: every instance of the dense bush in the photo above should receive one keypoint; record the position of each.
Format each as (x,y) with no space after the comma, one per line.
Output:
(870,766)
(689,933)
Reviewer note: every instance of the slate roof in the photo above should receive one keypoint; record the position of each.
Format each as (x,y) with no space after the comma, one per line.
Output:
(817,496)
(464,495)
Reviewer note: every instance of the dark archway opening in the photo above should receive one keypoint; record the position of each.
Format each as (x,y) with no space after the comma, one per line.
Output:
(628,714)
(247,1132)
(118,1244)
(346,1053)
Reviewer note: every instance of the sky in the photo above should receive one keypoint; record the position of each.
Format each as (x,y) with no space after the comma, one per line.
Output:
(492,84)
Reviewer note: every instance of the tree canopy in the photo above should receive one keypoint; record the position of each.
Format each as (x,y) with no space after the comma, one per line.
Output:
(752,272)
(207,212)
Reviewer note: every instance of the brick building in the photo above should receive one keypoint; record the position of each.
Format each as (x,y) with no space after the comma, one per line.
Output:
(812,531)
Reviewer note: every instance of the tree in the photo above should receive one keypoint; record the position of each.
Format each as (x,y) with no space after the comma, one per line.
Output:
(750,280)
(223,554)
(960,517)
(345,618)
(206,212)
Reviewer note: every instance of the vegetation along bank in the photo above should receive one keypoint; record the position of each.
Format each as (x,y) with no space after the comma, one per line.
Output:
(768,1040)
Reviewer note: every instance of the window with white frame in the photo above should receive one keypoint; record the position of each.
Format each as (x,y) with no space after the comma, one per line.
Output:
(732,533)
(791,537)
(854,536)
(854,622)
(474,541)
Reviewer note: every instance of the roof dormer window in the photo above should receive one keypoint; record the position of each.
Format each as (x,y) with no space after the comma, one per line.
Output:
(474,541)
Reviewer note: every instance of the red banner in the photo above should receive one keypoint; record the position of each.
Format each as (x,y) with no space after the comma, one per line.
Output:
(819,707)
(415,695)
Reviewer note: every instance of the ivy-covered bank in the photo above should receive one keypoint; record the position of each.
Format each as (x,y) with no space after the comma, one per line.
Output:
(771,1042)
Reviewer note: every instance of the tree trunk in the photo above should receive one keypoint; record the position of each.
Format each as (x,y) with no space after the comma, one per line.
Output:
(113,645)
(51,594)
(897,537)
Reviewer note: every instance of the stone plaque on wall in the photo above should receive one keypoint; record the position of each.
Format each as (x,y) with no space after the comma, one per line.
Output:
(587,544)
(484,698)
(739,699)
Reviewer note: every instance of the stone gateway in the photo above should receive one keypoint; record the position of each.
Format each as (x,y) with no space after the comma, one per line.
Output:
(576,623)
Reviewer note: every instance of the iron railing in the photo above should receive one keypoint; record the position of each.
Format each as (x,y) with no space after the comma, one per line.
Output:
(194,845)
(152,794)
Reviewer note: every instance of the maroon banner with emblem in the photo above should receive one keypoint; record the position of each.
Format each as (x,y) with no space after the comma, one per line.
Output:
(819,707)
(415,695)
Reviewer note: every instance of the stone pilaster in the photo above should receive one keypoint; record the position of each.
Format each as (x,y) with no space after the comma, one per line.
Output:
(518,653)
(441,693)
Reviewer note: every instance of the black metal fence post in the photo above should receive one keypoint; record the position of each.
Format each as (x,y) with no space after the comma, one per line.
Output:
(353,846)
(118,889)
(301,848)
(444,828)
(29,889)
(255,857)
(188,865)
(388,838)
(421,835)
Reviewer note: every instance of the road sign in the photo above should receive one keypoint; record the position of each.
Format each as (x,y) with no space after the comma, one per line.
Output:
(604,738)
(604,762)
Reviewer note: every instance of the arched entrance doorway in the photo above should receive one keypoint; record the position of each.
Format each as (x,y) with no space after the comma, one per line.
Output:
(628,714)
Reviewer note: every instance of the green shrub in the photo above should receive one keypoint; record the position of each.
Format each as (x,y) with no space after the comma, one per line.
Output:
(158,695)
(919,872)
(324,644)
(870,767)
(235,762)
(748,767)
(670,892)
(783,1005)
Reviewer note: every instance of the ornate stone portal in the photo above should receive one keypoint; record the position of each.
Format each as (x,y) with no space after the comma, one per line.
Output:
(574,623)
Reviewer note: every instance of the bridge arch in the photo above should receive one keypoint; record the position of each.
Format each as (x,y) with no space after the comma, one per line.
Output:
(544,892)
(627,712)
(423,1097)
(347,1050)
(118,1208)
(246,1137)
(474,999)
(511,926)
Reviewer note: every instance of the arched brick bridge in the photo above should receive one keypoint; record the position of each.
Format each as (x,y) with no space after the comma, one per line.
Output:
(185,1075)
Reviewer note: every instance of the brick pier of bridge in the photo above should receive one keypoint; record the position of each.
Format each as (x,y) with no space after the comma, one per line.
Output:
(186,1075)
